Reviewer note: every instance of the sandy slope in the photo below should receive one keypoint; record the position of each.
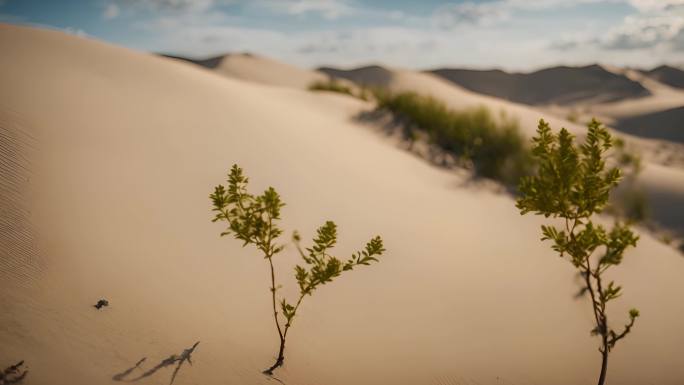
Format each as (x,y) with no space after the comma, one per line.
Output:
(262,70)
(670,75)
(662,97)
(256,68)
(267,71)
(108,156)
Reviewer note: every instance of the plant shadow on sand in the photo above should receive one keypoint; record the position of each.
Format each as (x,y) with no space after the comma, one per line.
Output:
(13,374)
(173,359)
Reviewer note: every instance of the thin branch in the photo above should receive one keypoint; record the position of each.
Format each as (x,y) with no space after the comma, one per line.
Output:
(622,335)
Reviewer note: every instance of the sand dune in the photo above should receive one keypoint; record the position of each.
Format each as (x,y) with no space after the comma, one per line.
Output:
(109,155)
(655,116)
(663,186)
(372,76)
(556,85)
(662,97)
(260,69)
(209,63)
(668,75)
(666,125)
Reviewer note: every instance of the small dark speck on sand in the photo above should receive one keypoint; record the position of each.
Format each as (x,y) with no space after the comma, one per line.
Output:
(101,303)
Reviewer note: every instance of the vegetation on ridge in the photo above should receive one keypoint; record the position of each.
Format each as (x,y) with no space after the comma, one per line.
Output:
(494,147)
(334,85)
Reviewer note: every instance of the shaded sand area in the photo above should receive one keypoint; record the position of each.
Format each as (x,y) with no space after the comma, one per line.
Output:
(108,157)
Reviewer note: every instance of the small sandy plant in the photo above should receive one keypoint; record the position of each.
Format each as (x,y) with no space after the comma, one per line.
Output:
(254,221)
(573,184)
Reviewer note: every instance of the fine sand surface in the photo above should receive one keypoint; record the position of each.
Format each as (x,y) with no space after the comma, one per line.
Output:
(108,156)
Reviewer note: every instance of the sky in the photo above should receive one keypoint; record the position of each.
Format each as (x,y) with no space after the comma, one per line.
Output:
(514,35)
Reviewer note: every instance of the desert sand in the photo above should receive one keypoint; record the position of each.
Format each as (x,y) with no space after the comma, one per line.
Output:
(108,157)
(264,70)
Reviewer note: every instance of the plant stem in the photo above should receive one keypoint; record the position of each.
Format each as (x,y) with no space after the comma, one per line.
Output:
(598,307)
(604,361)
(279,361)
(281,352)
(281,336)
(603,328)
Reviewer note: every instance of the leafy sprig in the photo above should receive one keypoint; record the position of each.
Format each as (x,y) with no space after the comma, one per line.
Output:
(253,219)
(573,183)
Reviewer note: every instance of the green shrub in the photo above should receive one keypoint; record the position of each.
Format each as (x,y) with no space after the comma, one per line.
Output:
(254,221)
(495,147)
(630,202)
(632,205)
(333,85)
(627,158)
(572,184)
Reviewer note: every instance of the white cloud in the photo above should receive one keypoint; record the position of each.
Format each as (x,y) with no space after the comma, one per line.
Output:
(75,31)
(656,5)
(111,11)
(454,15)
(658,24)
(329,9)
(643,32)
(492,12)
(168,5)
(180,5)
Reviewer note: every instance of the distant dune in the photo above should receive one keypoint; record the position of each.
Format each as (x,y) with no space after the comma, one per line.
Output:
(258,69)
(662,97)
(671,76)
(557,85)
(666,125)
(657,115)
(108,156)
(374,75)
(210,62)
